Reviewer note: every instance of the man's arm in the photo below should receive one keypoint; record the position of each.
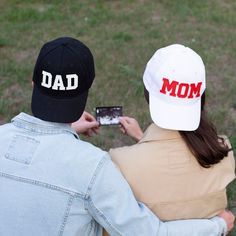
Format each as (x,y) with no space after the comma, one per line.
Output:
(111,202)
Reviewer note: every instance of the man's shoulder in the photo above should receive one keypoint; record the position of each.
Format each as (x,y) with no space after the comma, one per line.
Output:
(4,126)
(84,154)
(85,148)
(6,131)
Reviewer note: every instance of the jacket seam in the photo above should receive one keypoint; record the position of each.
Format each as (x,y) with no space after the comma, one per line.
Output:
(103,217)
(98,168)
(42,184)
(88,198)
(91,227)
(41,129)
(67,212)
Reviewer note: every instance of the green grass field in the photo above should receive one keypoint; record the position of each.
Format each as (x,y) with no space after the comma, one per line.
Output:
(123,35)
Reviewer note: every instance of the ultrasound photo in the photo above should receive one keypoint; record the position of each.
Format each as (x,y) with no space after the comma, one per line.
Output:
(108,115)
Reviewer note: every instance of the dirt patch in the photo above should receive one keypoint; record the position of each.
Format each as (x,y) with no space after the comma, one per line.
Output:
(22,55)
(15,97)
(2,120)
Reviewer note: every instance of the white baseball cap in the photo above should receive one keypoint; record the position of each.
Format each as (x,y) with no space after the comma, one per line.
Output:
(175,80)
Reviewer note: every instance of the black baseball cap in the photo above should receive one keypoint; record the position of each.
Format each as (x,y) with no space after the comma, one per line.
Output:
(63,74)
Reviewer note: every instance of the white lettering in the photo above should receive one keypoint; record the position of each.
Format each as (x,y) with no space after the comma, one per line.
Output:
(47,79)
(58,83)
(69,81)
(47,82)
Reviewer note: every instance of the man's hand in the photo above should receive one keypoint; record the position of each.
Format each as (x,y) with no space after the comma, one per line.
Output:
(130,127)
(229,218)
(86,125)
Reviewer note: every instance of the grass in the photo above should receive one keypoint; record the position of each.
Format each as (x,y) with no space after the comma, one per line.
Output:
(122,35)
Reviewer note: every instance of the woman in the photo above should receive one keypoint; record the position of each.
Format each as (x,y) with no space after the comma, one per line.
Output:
(180,167)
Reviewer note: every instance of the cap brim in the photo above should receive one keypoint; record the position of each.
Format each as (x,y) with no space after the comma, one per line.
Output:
(57,110)
(170,116)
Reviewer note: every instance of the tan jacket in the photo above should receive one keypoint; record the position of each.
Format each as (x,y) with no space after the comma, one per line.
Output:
(164,175)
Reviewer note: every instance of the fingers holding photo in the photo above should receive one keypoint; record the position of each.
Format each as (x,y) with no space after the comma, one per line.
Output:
(131,127)
(86,125)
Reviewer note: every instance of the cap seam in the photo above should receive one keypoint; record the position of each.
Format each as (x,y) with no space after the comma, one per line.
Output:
(60,63)
(83,65)
(39,62)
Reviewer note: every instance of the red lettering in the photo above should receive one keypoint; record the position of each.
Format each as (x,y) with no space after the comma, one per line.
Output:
(195,89)
(184,89)
(180,93)
(167,86)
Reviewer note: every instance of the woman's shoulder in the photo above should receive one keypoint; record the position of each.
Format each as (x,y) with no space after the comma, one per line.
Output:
(122,152)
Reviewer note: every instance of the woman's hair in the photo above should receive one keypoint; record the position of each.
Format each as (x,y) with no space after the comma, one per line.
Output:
(204,143)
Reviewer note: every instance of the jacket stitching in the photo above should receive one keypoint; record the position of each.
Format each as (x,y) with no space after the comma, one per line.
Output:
(87,197)
(67,212)
(99,166)
(40,129)
(99,212)
(42,184)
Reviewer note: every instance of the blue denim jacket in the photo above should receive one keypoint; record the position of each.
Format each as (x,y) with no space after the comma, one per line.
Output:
(52,183)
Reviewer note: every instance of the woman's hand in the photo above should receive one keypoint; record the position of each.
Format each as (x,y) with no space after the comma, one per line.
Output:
(86,125)
(130,127)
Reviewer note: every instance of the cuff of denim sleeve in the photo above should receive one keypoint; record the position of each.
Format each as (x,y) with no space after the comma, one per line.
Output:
(221,224)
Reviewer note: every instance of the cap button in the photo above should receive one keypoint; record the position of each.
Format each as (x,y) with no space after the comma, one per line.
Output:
(64,44)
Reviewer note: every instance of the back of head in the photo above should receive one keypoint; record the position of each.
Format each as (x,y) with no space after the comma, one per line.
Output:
(63,74)
(175,80)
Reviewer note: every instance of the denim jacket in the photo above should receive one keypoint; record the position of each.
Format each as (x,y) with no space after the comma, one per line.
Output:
(52,183)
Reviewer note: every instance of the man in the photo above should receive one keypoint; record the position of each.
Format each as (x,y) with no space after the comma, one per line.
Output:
(51,182)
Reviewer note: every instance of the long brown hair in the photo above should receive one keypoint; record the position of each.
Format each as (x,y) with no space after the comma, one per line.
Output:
(204,143)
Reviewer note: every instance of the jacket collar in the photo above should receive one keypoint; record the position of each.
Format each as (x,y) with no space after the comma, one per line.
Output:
(36,125)
(154,133)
